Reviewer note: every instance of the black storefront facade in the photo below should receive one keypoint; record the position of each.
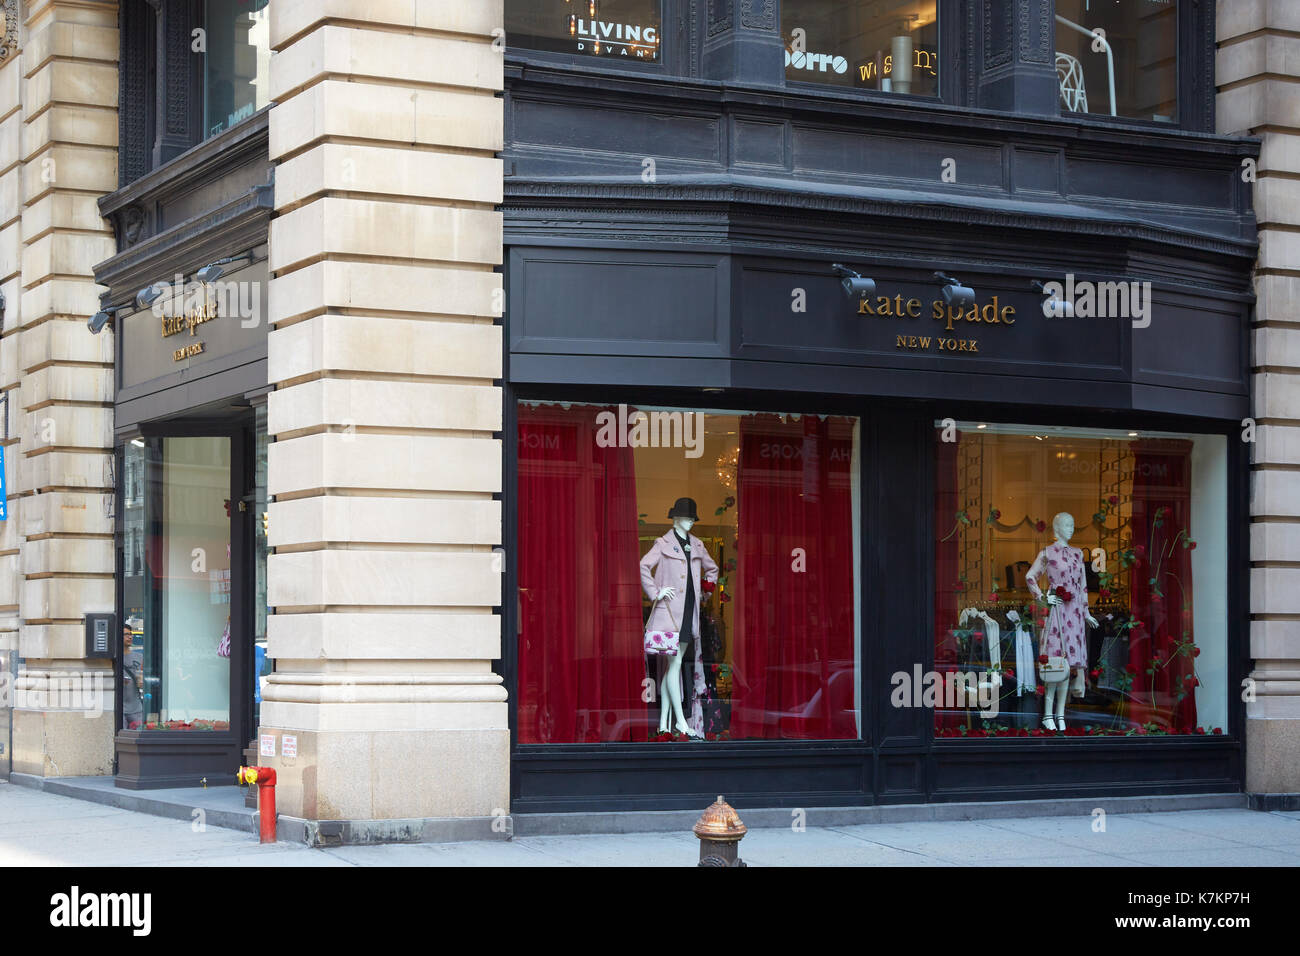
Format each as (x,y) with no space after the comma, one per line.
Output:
(670,248)
(187,294)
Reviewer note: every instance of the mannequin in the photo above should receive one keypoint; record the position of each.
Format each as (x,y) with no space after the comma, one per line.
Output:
(1064,635)
(665,579)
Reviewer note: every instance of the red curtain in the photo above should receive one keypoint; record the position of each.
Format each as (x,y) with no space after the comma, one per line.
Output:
(1162,485)
(794,661)
(580,632)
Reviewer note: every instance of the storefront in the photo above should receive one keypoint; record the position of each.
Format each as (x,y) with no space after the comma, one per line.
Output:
(881,485)
(187,302)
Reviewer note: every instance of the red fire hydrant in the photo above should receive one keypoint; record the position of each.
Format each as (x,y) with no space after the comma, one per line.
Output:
(264,777)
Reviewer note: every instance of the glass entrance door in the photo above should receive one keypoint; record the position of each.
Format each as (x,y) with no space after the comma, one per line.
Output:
(186,580)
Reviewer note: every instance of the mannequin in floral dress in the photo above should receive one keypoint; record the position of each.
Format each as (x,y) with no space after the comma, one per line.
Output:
(1067,596)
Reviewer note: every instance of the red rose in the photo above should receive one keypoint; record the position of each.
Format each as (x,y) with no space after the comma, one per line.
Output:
(1042,658)
(1040,690)
(1196,652)
(1040,526)
(1063,594)
(1217,730)
(1095,673)
(726,598)
(959,586)
(1113,499)
(707,586)
(1140,551)
(1196,682)
(1200,730)
(1103,594)
(1192,545)
(996,513)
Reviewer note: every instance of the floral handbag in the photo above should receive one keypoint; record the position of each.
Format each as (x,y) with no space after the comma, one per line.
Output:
(664,643)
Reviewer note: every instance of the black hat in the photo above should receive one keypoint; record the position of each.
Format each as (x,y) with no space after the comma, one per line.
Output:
(684,508)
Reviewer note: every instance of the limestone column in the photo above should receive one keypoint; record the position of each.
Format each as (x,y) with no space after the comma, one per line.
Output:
(386,351)
(1259,94)
(62,464)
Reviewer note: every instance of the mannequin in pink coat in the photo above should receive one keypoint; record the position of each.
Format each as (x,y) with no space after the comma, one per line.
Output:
(664,579)
(1064,635)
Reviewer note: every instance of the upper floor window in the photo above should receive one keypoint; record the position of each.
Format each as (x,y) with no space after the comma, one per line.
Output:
(237,62)
(622,30)
(886,45)
(1118,58)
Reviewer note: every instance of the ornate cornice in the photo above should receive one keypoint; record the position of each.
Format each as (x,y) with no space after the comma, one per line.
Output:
(579,200)
(9,42)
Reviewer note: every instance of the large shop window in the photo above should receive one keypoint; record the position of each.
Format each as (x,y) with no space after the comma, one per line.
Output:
(176,584)
(237,63)
(622,30)
(1118,57)
(886,45)
(764,612)
(1081,582)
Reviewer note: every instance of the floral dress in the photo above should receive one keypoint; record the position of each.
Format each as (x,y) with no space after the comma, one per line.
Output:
(1065,634)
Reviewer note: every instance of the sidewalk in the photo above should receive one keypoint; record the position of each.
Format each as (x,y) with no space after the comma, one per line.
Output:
(45,829)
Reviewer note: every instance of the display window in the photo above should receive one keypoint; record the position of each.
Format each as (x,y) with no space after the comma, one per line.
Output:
(1081,582)
(886,45)
(176,584)
(686,574)
(623,30)
(1118,58)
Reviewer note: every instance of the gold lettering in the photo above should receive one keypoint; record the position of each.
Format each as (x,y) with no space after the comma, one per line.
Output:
(1008,311)
(990,312)
(938,311)
(189,351)
(864,309)
(914,308)
(925,341)
(954,315)
(900,341)
(882,306)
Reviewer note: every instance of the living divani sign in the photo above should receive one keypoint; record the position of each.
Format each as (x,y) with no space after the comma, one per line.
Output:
(940,327)
(613,38)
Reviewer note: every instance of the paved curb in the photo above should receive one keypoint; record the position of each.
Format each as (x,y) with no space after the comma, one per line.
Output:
(218,811)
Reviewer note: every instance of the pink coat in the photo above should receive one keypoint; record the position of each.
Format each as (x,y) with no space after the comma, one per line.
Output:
(665,566)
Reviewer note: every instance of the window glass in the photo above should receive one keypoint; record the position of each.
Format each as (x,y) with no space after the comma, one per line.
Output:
(887,45)
(1118,57)
(1081,582)
(262,664)
(764,613)
(176,585)
(237,61)
(624,30)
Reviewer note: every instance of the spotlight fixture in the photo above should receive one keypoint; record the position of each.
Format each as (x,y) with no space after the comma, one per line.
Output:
(147,296)
(954,293)
(214,271)
(1055,306)
(856,286)
(101,318)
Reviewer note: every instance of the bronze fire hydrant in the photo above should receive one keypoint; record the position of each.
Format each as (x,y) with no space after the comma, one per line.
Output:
(720,832)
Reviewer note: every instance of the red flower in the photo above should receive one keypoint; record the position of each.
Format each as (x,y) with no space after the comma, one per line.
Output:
(1217,730)
(1192,545)
(729,501)
(1140,551)
(1063,594)
(1196,652)
(959,586)
(1040,526)
(1196,682)
(1040,690)
(1042,658)
(1103,594)
(1113,499)
(1095,673)
(726,598)
(996,513)
(1200,730)
(707,586)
